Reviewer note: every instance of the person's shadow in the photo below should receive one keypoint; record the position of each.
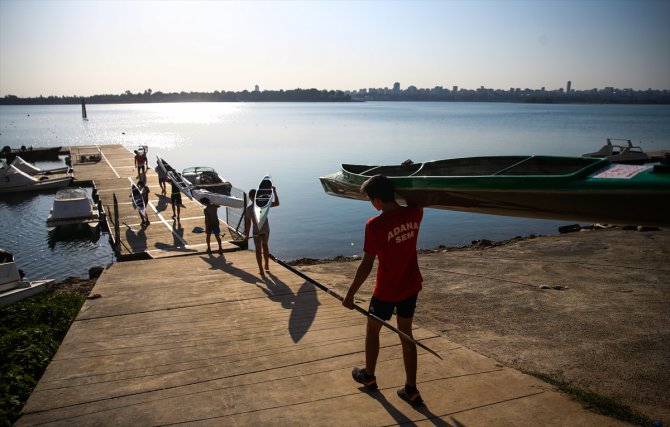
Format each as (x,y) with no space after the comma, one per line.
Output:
(136,239)
(403,419)
(220,263)
(163,202)
(303,305)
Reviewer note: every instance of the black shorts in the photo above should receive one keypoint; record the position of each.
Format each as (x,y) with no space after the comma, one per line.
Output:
(176,198)
(384,310)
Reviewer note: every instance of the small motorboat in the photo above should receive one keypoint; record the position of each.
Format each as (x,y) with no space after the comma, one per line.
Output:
(33,170)
(621,153)
(73,207)
(13,180)
(206,178)
(13,287)
(545,187)
(31,154)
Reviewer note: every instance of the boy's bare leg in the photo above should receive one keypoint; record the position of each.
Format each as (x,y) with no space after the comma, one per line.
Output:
(371,345)
(266,251)
(408,350)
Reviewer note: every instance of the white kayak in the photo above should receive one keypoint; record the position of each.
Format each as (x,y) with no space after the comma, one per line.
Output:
(138,200)
(263,200)
(217,198)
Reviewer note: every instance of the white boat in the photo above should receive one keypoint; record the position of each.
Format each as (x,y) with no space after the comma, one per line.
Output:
(13,180)
(621,153)
(263,200)
(217,198)
(177,179)
(72,207)
(206,178)
(13,288)
(33,170)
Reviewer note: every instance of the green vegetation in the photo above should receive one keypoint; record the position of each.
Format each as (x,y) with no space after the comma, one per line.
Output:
(30,333)
(596,402)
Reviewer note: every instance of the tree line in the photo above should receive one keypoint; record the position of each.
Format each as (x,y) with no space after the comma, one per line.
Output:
(148,96)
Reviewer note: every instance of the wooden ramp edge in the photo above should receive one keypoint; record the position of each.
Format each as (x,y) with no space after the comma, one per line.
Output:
(203,340)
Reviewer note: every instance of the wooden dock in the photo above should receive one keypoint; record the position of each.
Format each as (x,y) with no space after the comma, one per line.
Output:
(111,176)
(203,340)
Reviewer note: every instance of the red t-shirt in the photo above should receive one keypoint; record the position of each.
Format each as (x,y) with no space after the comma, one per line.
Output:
(391,237)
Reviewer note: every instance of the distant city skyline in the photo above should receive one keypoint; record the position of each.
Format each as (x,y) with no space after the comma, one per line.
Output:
(69,47)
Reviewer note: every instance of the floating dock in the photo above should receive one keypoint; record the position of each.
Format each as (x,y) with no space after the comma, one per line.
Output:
(110,170)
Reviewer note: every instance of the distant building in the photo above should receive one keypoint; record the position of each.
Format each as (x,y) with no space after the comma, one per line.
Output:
(396,87)
(569,87)
(257,89)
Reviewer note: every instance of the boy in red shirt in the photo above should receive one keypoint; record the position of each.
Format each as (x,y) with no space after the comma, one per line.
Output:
(391,237)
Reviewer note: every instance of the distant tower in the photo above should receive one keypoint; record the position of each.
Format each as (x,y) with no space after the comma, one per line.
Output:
(396,87)
(256,89)
(569,86)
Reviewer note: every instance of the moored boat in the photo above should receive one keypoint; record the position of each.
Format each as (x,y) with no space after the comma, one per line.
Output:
(33,170)
(13,180)
(621,153)
(206,178)
(31,154)
(73,207)
(13,287)
(545,187)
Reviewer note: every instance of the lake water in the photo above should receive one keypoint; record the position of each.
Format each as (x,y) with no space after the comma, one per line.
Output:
(297,143)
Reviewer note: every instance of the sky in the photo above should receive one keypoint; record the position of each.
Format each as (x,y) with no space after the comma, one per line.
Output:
(84,48)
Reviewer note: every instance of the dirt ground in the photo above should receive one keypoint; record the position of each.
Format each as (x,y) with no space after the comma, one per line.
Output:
(589,308)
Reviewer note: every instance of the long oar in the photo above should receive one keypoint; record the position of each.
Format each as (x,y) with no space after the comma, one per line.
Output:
(356,307)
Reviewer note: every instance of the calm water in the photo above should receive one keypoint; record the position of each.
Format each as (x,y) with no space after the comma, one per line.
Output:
(297,143)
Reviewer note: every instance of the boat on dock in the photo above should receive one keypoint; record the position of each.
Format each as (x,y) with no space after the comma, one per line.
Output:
(544,187)
(13,180)
(218,198)
(72,207)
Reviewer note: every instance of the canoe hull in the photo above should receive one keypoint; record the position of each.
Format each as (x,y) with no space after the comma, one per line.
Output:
(597,192)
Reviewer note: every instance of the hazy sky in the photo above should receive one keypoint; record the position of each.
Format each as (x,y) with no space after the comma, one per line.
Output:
(54,47)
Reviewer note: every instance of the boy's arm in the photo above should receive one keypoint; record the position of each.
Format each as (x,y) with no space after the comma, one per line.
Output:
(275,203)
(362,273)
(247,223)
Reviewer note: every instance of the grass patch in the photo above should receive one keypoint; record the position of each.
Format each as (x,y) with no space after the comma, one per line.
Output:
(30,333)
(597,402)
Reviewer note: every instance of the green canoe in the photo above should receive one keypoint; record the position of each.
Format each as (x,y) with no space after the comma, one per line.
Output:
(546,187)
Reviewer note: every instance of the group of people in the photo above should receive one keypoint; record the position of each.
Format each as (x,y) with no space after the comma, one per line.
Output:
(390,237)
